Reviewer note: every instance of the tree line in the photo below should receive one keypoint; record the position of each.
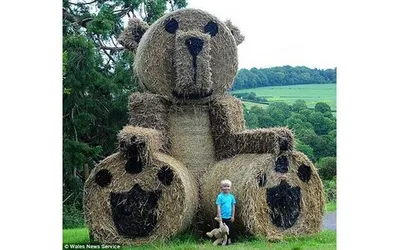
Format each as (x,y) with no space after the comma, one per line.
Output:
(280,76)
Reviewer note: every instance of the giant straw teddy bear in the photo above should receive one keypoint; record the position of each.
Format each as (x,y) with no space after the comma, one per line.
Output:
(182,126)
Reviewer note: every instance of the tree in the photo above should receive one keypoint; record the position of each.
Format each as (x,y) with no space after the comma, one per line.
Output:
(250,118)
(279,112)
(97,79)
(322,125)
(299,105)
(264,119)
(306,149)
(327,168)
(322,107)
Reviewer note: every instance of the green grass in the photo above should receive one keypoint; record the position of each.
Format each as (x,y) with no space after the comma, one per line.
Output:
(76,235)
(311,93)
(325,240)
(330,206)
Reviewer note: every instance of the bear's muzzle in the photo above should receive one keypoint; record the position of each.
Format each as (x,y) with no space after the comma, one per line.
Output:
(192,63)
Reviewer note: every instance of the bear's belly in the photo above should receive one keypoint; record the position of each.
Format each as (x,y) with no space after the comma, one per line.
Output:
(191,139)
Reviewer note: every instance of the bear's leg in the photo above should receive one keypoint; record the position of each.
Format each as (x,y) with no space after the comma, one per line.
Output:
(275,195)
(126,207)
(224,240)
(137,145)
(217,241)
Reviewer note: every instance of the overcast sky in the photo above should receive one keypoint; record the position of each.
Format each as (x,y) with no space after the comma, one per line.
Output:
(296,33)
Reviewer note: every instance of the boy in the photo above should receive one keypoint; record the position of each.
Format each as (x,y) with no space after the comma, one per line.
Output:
(226,206)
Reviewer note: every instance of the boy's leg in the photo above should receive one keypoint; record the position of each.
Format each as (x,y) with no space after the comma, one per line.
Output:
(229,224)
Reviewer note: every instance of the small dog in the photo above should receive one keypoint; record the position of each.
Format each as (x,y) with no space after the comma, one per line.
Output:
(220,233)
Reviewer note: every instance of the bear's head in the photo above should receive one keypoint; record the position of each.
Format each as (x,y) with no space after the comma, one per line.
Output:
(185,55)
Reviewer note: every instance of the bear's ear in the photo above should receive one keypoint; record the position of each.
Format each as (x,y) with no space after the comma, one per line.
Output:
(131,35)
(239,38)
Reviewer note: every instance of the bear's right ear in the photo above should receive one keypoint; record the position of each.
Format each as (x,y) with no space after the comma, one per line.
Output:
(239,38)
(131,35)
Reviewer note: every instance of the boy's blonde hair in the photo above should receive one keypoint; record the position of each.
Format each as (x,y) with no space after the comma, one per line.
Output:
(226,183)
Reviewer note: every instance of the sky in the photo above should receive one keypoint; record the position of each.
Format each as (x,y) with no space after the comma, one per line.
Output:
(278,33)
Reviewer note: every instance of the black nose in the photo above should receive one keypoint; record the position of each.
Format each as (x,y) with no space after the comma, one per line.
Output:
(195,45)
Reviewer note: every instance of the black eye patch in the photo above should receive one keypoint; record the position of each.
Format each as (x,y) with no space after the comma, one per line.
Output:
(165,175)
(304,173)
(103,178)
(171,25)
(211,28)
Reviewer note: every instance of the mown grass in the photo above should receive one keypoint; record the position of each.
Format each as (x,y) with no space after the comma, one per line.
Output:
(76,235)
(325,240)
(311,93)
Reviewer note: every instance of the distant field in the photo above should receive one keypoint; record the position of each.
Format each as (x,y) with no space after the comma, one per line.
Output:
(311,93)
(251,104)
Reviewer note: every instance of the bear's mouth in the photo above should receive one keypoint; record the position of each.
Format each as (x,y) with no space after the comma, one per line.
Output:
(284,203)
(192,95)
(187,94)
(134,212)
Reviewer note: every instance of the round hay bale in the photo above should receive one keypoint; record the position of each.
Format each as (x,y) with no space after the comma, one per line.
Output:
(160,72)
(275,195)
(133,208)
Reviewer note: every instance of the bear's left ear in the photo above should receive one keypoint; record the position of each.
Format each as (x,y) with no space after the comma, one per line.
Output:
(239,38)
(131,35)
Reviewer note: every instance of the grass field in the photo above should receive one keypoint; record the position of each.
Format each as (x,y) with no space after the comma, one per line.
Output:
(311,93)
(325,240)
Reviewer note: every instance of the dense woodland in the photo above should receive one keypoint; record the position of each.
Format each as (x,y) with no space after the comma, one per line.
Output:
(279,76)
(97,80)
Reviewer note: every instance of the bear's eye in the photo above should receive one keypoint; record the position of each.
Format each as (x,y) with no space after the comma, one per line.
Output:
(304,173)
(211,28)
(165,175)
(103,178)
(171,25)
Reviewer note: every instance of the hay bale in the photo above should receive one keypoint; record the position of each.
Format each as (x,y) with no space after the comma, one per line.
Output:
(139,142)
(156,67)
(275,195)
(191,139)
(150,111)
(124,208)
(232,138)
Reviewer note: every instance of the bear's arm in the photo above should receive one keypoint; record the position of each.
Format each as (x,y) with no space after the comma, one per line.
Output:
(149,111)
(231,137)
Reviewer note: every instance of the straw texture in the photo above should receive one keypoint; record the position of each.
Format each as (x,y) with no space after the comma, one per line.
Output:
(159,71)
(253,177)
(231,138)
(175,200)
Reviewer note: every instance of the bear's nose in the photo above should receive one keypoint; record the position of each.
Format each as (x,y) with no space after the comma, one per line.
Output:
(195,45)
